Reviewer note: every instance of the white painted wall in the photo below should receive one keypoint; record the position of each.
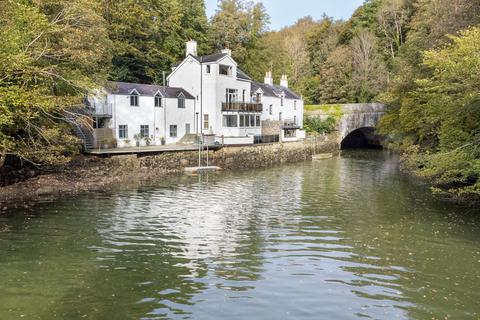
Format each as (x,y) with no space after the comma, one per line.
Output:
(158,119)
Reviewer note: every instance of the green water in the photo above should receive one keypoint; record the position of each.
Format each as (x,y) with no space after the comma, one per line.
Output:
(346,238)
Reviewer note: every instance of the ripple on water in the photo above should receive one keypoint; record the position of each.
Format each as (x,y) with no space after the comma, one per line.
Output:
(340,239)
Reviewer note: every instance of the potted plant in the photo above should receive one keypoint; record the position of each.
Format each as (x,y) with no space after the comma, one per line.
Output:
(138,138)
(148,141)
(162,140)
(127,142)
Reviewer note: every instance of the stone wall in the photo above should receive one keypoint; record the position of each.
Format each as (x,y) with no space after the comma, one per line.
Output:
(229,158)
(270,127)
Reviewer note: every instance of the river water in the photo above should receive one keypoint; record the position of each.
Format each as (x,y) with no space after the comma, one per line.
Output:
(346,238)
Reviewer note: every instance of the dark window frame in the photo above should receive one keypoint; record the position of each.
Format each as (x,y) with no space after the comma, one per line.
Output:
(173,129)
(144,131)
(123,131)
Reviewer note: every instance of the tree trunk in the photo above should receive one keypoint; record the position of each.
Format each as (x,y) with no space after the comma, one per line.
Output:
(3,156)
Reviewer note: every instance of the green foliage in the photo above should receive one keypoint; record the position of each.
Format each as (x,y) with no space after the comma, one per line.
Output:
(313,124)
(440,118)
(239,26)
(52,53)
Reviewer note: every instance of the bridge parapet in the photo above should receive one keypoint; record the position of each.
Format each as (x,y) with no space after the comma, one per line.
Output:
(350,117)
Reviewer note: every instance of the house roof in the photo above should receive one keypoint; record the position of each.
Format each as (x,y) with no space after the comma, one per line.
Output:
(214,58)
(211,57)
(275,91)
(146,90)
(242,75)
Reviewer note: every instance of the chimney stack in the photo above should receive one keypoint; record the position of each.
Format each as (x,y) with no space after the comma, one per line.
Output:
(268,78)
(191,48)
(227,51)
(284,81)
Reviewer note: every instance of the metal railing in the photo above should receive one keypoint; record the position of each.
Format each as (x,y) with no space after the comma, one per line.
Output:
(242,107)
(264,139)
(102,110)
(290,124)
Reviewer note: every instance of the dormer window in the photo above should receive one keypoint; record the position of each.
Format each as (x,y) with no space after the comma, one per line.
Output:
(208,69)
(134,98)
(225,70)
(158,100)
(258,97)
(181,101)
(282,100)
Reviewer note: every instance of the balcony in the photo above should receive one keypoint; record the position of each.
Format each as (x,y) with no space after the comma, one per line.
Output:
(290,124)
(102,110)
(242,107)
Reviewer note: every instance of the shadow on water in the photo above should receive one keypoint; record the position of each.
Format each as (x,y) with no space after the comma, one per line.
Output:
(344,238)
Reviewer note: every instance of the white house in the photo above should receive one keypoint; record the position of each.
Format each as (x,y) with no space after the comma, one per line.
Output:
(205,94)
(149,113)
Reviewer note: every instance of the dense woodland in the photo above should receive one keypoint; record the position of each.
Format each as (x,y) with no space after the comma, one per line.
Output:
(420,57)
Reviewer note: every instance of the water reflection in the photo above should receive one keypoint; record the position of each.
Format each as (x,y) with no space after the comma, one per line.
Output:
(339,239)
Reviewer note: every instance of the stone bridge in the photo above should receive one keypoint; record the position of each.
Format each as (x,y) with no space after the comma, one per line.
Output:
(355,122)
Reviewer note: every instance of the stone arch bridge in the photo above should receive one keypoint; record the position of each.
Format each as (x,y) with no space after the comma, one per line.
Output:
(355,123)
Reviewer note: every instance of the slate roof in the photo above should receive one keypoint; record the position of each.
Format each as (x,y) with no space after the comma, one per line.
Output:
(214,58)
(274,91)
(242,75)
(146,90)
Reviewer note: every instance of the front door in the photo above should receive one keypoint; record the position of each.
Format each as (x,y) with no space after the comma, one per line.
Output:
(187,128)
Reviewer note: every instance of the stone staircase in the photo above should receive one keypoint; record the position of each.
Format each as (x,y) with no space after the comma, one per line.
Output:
(188,139)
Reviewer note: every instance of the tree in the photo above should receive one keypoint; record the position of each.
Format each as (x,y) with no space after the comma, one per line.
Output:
(52,53)
(194,24)
(239,25)
(369,71)
(146,36)
(441,118)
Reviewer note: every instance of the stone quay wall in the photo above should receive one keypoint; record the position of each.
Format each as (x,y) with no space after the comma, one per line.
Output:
(228,158)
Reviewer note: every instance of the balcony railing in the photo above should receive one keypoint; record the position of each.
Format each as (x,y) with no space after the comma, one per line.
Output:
(290,124)
(102,110)
(242,107)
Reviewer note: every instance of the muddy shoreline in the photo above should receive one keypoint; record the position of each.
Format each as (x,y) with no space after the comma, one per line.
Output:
(90,173)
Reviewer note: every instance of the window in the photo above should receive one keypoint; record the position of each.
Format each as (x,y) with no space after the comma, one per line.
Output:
(144,131)
(134,99)
(208,67)
(279,116)
(258,121)
(258,98)
(295,105)
(242,120)
(270,109)
(181,102)
(158,100)
(231,95)
(243,95)
(123,131)
(225,70)
(252,120)
(247,120)
(282,98)
(230,121)
(295,119)
(173,131)
(205,122)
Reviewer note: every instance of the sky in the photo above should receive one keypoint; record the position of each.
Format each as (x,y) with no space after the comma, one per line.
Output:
(286,12)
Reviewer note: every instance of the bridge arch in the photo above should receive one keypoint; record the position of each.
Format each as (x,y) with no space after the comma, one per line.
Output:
(356,122)
(364,138)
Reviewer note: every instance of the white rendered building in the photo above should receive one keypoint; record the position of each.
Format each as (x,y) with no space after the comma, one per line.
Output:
(205,94)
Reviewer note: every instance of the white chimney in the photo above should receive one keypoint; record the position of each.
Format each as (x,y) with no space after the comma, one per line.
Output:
(191,48)
(284,81)
(227,51)
(268,78)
